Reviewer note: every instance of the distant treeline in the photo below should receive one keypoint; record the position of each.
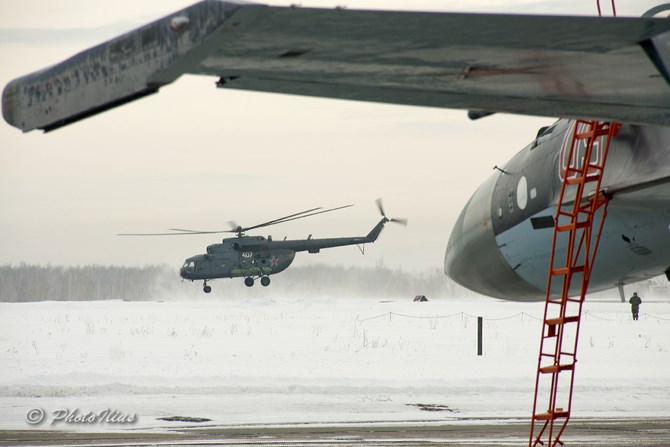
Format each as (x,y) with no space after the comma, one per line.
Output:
(26,282)
(379,282)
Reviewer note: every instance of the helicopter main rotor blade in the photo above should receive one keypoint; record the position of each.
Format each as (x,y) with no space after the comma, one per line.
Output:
(237,229)
(300,217)
(185,233)
(318,212)
(279,220)
(296,216)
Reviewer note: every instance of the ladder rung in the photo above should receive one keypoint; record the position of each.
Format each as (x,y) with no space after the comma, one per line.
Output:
(556,368)
(596,167)
(588,206)
(560,301)
(572,225)
(550,415)
(561,320)
(569,169)
(583,178)
(598,131)
(566,270)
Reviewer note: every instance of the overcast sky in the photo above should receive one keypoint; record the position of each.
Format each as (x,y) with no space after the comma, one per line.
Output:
(196,157)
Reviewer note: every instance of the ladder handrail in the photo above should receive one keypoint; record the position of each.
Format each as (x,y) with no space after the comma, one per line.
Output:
(576,262)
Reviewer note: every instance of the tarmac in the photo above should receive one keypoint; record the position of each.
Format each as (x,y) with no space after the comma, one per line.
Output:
(470,433)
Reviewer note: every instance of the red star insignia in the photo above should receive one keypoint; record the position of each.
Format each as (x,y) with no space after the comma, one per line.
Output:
(274,261)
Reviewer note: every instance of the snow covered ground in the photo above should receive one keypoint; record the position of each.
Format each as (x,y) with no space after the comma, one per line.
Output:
(295,360)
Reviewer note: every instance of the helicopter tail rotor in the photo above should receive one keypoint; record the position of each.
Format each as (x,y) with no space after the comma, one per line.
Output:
(380,206)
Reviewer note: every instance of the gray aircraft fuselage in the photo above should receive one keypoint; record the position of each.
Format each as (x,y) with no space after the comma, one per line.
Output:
(501,243)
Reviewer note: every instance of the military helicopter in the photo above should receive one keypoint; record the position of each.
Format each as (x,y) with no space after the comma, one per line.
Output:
(251,257)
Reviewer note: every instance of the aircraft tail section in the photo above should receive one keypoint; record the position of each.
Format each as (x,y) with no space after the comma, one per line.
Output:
(374,233)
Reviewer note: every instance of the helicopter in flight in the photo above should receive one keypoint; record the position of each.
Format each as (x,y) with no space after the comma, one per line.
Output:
(253,257)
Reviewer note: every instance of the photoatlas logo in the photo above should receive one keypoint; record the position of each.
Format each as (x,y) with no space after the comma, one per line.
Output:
(67,416)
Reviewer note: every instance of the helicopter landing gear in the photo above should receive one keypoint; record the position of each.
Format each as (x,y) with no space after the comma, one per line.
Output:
(265,281)
(248,281)
(206,288)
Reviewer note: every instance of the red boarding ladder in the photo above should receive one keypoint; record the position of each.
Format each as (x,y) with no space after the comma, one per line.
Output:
(572,254)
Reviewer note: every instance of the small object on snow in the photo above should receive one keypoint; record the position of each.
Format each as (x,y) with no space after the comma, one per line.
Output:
(433,407)
(420,298)
(183,419)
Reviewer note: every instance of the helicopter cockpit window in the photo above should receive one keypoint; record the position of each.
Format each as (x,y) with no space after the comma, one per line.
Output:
(188,265)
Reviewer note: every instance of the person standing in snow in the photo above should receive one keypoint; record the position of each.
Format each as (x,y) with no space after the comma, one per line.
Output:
(635,302)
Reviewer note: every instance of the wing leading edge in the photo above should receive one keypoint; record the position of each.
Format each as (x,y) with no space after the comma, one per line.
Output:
(589,67)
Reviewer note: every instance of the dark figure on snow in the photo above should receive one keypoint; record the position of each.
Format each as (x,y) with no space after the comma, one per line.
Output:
(635,302)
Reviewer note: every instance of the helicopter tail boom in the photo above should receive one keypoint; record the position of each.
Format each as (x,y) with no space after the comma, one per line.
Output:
(315,245)
(374,233)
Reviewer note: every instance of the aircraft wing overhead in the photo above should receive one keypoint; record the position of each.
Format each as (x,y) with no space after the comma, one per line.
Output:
(603,68)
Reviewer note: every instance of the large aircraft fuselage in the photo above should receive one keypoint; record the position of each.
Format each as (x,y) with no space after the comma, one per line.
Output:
(501,243)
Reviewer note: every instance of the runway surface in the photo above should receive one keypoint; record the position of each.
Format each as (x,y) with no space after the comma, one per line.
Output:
(477,433)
